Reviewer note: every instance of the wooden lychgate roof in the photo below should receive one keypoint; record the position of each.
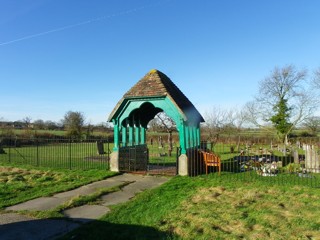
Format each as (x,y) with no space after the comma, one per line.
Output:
(157,84)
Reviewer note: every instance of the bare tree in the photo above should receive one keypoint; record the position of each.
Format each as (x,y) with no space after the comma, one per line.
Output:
(217,122)
(166,123)
(312,124)
(239,120)
(27,122)
(316,79)
(283,101)
(220,122)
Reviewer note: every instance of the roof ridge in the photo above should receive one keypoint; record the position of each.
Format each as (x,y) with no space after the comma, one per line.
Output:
(157,84)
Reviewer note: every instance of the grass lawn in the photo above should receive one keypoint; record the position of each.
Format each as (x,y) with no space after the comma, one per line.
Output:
(60,154)
(19,184)
(212,208)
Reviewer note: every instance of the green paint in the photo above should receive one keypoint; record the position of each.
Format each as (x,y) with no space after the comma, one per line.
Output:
(182,138)
(189,132)
(198,135)
(130,135)
(194,137)
(116,135)
(143,135)
(137,135)
(124,136)
(187,136)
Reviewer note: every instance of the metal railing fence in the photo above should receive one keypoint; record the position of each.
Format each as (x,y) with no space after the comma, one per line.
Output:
(56,153)
(291,164)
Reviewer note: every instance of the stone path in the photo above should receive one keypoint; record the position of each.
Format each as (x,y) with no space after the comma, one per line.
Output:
(14,226)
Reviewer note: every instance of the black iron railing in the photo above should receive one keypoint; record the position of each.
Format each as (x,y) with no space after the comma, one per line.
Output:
(56,153)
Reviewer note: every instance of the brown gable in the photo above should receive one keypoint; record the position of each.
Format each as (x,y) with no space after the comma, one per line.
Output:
(157,84)
(152,84)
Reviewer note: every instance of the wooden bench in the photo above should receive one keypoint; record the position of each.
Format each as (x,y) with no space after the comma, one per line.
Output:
(211,160)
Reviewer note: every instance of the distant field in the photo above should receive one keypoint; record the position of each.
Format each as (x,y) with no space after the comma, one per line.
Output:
(53,132)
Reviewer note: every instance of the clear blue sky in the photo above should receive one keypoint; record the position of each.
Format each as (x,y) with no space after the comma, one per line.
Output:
(81,55)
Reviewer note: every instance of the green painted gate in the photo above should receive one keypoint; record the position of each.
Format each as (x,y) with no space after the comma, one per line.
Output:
(153,94)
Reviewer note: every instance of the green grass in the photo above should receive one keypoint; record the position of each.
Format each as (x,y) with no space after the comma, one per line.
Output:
(76,201)
(61,154)
(155,158)
(212,208)
(22,184)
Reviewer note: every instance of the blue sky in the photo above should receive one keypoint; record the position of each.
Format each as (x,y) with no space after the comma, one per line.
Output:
(81,55)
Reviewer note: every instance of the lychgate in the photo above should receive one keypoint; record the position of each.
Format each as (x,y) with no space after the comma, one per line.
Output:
(154,93)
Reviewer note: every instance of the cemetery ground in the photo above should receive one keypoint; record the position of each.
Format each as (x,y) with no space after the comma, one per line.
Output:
(21,183)
(203,207)
(241,205)
(207,207)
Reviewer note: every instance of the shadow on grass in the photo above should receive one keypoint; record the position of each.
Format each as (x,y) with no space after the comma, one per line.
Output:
(24,228)
(105,230)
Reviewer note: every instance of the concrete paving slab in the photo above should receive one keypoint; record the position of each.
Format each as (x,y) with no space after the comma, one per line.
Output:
(86,213)
(76,192)
(93,187)
(38,204)
(148,182)
(116,198)
(7,218)
(15,226)
(126,177)
(48,203)
(129,191)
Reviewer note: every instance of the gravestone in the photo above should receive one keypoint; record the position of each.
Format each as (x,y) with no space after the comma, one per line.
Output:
(296,157)
(312,161)
(2,151)
(1,148)
(100,148)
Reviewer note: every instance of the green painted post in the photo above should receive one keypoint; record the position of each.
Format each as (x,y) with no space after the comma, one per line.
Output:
(124,136)
(143,135)
(191,137)
(137,134)
(130,135)
(198,136)
(116,135)
(182,137)
(187,136)
(194,136)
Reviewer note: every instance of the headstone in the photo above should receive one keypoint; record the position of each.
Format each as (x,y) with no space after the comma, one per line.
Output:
(100,148)
(296,157)
(312,161)
(1,149)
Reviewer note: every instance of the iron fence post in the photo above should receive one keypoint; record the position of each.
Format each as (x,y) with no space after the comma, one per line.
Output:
(177,160)
(10,140)
(37,144)
(108,155)
(70,153)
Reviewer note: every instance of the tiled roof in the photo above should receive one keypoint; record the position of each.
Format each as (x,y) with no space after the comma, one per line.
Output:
(157,84)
